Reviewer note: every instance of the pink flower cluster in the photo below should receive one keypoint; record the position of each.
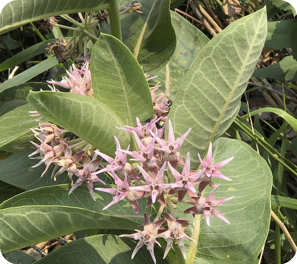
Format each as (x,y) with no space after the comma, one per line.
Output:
(155,170)
(148,179)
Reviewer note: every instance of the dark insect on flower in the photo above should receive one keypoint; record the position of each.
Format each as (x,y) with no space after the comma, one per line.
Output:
(169,104)
(158,124)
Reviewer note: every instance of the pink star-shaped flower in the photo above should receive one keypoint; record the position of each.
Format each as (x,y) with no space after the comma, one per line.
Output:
(206,206)
(176,233)
(87,174)
(122,192)
(154,186)
(147,236)
(185,181)
(211,170)
(171,146)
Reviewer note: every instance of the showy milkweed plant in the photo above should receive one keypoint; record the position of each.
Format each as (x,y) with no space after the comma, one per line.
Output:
(131,143)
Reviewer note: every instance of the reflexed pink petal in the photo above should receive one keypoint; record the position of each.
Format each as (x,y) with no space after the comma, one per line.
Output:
(75,185)
(181,140)
(207,216)
(104,156)
(175,173)
(218,174)
(190,187)
(219,215)
(154,195)
(138,246)
(170,132)
(145,175)
(222,163)
(107,190)
(186,169)
(115,199)
(208,159)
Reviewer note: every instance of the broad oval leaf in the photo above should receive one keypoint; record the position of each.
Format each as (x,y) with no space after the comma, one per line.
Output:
(20,12)
(19,257)
(119,82)
(209,97)
(27,225)
(248,213)
(150,35)
(84,116)
(189,42)
(102,249)
(7,191)
(80,198)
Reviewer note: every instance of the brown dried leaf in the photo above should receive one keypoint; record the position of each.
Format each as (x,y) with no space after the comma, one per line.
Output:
(231,7)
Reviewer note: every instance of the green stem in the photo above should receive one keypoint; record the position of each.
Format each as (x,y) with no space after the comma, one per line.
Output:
(267,147)
(38,32)
(70,19)
(90,35)
(114,17)
(277,245)
(66,27)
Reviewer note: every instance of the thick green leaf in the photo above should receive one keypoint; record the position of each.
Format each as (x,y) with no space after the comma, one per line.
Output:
(290,119)
(84,116)
(284,201)
(285,70)
(25,55)
(150,35)
(16,170)
(29,73)
(7,106)
(19,257)
(102,249)
(20,12)
(209,97)
(7,191)
(190,41)
(79,198)
(15,124)
(118,81)
(248,213)
(279,34)
(27,225)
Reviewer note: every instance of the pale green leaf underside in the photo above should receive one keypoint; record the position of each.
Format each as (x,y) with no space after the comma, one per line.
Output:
(102,249)
(77,210)
(20,12)
(248,213)
(84,116)
(79,198)
(209,97)
(119,82)
(190,41)
(27,225)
